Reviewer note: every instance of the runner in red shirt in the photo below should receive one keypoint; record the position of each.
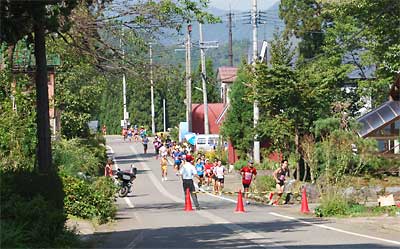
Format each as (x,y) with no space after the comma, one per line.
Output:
(248,173)
(208,169)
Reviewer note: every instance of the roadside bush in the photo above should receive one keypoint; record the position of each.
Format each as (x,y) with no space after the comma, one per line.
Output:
(210,155)
(268,164)
(332,204)
(265,183)
(73,156)
(240,164)
(89,200)
(392,210)
(31,211)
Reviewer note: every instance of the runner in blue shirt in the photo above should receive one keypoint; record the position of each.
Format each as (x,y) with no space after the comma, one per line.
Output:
(200,171)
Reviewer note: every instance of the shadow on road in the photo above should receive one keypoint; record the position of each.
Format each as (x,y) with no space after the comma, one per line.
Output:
(214,236)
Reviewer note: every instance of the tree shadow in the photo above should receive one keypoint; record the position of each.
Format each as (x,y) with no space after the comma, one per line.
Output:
(216,236)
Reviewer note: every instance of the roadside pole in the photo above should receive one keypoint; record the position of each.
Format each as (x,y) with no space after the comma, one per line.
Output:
(256,149)
(188,78)
(153,125)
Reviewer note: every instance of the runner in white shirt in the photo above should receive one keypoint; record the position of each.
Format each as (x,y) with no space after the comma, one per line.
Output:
(219,172)
(188,171)
(163,151)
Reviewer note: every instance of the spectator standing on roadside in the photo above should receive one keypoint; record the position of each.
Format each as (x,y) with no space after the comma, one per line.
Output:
(248,173)
(104,129)
(280,178)
(187,172)
(108,168)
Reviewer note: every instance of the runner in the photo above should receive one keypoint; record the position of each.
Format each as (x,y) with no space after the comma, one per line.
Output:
(248,173)
(135,133)
(189,156)
(187,172)
(163,150)
(129,132)
(124,133)
(177,155)
(164,167)
(280,177)
(219,172)
(208,168)
(200,171)
(145,141)
(157,144)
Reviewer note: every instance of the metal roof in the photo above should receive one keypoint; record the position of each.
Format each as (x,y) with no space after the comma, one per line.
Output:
(227,74)
(379,117)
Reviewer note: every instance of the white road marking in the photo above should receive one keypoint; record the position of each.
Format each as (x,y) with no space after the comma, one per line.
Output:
(128,201)
(217,196)
(335,229)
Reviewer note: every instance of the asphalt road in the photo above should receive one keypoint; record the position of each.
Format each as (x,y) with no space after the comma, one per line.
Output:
(152,216)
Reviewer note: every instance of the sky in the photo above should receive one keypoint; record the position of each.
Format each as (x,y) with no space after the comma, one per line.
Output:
(241,4)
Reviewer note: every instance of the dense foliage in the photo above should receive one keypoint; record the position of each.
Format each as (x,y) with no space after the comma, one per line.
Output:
(89,199)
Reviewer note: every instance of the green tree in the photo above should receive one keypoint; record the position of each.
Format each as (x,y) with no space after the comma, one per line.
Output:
(304,19)
(373,41)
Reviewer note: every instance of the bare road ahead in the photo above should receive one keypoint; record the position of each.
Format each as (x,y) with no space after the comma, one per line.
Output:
(153,217)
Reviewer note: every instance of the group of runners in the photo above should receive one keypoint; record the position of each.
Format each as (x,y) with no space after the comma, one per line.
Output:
(209,171)
(134,133)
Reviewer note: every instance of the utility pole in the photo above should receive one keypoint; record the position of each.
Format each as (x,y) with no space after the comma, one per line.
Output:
(256,149)
(164,116)
(203,79)
(188,78)
(230,52)
(153,125)
(126,114)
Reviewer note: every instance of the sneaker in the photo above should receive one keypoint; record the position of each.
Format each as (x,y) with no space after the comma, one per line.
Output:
(162,179)
(247,202)
(198,208)
(165,179)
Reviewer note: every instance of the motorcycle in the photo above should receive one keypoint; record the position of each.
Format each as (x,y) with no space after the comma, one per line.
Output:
(125,180)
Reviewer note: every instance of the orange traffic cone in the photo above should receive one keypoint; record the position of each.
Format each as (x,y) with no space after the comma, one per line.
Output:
(304,202)
(188,202)
(239,206)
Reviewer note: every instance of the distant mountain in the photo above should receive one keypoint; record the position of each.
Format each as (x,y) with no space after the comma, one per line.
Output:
(241,27)
(242,37)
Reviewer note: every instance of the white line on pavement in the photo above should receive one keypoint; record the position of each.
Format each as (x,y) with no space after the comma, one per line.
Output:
(217,196)
(128,201)
(335,229)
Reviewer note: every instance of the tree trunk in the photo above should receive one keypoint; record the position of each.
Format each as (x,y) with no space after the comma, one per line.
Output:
(297,144)
(42,96)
